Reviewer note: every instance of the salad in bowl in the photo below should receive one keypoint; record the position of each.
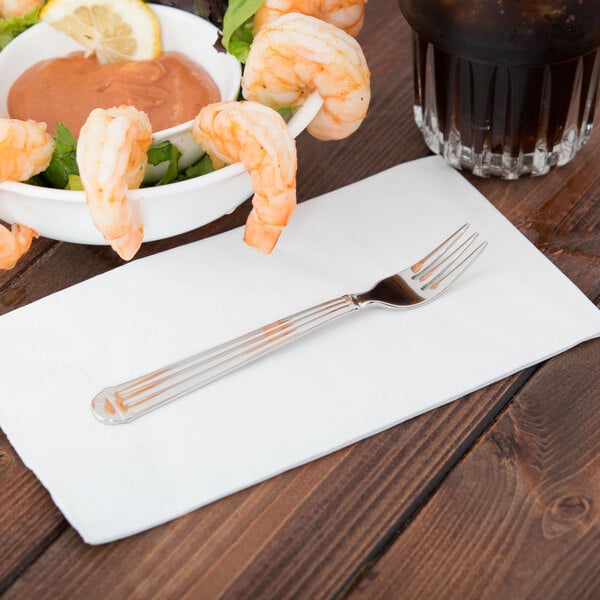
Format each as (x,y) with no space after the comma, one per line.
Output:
(117,182)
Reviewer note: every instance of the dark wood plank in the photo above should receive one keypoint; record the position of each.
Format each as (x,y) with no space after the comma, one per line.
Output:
(518,518)
(30,521)
(302,534)
(39,248)
(515,519)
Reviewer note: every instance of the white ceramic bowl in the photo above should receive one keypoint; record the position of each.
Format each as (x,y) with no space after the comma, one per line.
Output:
(181,31)
(165,210)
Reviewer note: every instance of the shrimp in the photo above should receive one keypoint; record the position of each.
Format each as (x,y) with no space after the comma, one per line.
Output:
(111,156)
(14,243)
(25,150)
(297,54)
(345,14)
(257,136)
(18,8)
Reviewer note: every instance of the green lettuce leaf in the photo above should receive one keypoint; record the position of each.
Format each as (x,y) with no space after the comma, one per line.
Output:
(237,27)
(63,172)
(287,112)
(165,152)
(74,183)
(201,167)
(11,27)
(64,162)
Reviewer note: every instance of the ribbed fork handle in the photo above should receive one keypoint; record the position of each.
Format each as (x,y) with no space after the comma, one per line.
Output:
(129,400)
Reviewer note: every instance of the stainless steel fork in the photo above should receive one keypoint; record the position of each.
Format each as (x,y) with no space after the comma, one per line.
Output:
(414,286)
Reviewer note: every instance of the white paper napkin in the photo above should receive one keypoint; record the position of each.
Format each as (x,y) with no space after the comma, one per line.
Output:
(358,376)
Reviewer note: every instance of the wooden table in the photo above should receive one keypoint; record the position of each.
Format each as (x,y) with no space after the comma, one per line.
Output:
(496,495)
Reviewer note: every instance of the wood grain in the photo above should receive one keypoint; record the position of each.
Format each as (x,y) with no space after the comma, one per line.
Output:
(302,534)
(518,517)
(29,520)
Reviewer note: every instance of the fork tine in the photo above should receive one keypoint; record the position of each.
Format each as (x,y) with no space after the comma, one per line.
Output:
(445,262)
(435,255)
(444,279)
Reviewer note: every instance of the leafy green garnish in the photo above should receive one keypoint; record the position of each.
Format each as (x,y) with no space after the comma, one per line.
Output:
(74,183)
(64,162)
(11,27)
(165,152)
(201,167)
(63,172)
(237,27)
(240,41)
(38,179)
(287,111)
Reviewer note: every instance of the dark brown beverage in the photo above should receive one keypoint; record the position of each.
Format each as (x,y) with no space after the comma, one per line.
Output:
(505,87)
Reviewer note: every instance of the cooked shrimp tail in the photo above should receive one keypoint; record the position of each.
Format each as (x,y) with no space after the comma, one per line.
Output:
(258,137)
(295,55)
(18,8)
(25,150)
(267,219)
(111,155)
(346,14)
(14,243)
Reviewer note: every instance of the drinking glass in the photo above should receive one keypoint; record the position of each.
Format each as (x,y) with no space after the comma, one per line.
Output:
(505,87)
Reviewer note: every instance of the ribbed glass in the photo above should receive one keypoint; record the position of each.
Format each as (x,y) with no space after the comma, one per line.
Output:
(502,120)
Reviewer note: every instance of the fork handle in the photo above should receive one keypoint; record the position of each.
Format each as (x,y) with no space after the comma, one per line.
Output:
(127,401)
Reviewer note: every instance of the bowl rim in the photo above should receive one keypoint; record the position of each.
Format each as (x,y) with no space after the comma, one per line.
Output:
(38,191)
(297,123)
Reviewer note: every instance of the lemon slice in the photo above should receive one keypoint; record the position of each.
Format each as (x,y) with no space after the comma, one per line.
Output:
(113,30)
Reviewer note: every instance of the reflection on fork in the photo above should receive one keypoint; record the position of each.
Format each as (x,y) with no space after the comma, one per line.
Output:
(409,288)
